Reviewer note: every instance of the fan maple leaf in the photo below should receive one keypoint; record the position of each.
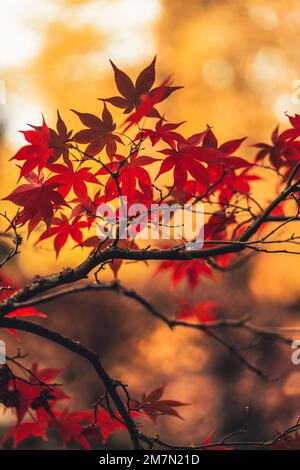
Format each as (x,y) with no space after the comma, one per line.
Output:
(163,131)
(99,133)
(217,225)
(146,105)
(187,157)
(34,395)
(23,431)
(67,178)
(46,374)
(231,183)
(61,228)
(284,151)
(152,404)
(223,154)
(71,426)
(131,175)
(38,153)
(38,198)
(184,159)
(25,394)
(60,139)
(132,93)
(228,148)
(93,242)
(190,270)
(107,424)
(87,207)
(275,151)
(289,134)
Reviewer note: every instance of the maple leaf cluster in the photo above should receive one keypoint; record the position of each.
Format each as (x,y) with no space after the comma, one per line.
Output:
(68,174)
(36,397)
(36,401)
(284,150)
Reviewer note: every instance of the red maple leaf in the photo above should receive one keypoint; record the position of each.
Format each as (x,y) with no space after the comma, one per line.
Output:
(164,131)
(284,151)
(134,181)
(217,225)
(294,133)
(224,152)
(23,431)
(132,94)
(39,200)
(107,424)
(38,391)
(230,183)
(47,374)
(87,207)
(146,105)
(189,270)
(99,133)
(71,426)
(93,242)
(67,178)
(152,405)
(227,148)
(60,139)
(185,159)
(38,153)
(275,151)
(188,155)
(61,228)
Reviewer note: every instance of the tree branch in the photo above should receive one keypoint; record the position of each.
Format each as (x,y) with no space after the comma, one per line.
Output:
(85,353)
